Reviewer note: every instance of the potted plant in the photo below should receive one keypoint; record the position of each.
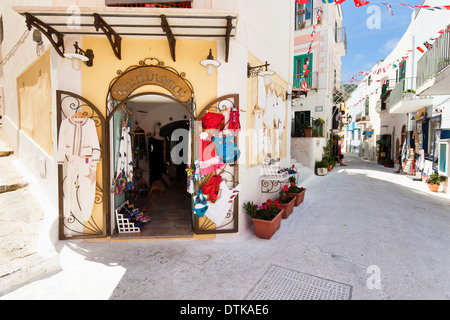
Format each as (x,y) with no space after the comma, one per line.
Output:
(409,94)
(286,202)
(321,168)
(434,181)
(297,192)
(266,218)
(307,130)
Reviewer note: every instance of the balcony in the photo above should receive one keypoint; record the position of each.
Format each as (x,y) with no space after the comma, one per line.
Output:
(340,36)
(403,98)
(306,18)
(311,81)
(433,68)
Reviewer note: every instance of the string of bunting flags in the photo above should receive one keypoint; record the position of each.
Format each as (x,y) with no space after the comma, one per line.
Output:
(361,3)
(395,64)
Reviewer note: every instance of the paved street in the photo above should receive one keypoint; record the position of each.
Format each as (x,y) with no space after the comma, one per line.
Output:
(363,225)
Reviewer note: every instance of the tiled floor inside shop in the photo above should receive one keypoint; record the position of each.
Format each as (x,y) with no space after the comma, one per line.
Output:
(169,212)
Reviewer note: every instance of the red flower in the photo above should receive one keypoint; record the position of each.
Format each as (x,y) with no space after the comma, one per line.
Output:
(269,201)
(286,188)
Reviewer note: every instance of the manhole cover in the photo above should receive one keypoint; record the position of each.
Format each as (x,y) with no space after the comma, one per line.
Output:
(283,284)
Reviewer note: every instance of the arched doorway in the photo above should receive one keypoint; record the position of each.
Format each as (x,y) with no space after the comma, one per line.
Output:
(154,180)
(155,126)
(128,86)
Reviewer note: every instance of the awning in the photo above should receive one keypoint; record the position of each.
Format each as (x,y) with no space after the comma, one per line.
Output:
(115,23)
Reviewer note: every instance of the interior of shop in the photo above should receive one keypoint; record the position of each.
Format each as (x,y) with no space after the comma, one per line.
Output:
(150,187)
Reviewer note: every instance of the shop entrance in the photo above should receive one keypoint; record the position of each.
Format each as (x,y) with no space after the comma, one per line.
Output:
(154,179)
(150,191)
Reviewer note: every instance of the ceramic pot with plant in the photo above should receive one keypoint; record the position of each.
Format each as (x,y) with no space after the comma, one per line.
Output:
(297,192)
(321,168)
(286,202)
(266,218)
(434,181)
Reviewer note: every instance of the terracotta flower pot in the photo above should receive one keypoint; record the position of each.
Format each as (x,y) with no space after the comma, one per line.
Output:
(308,132)
(299,197)
(287,207)
(433,187)
(266,229)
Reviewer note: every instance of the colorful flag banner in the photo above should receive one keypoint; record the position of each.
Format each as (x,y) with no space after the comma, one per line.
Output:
(388,6)
(428,45)
(302,1)
(420,49)
(360,3)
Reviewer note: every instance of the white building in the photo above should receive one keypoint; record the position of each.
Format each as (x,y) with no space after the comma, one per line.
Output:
(129,39)
(393,110)
(320,40)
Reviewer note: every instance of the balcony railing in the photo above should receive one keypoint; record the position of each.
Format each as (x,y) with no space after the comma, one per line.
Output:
(306,18)
(301,126)
(311,80)
(434,60)
(405,89)
(340,36)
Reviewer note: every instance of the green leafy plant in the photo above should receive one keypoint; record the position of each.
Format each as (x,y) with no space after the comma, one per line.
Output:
(292,188)
(267,211)
(321,164)
(409,91)
(435,178)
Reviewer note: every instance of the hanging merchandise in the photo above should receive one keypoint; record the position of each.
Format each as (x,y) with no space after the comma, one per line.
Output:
(200,204)
(227,150)
(79,152)
(235,123)
(212,188)
(213,120)
(123,180)
(209,161)
(216,212)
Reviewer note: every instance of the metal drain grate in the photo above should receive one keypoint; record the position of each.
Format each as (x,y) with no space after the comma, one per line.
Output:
(283,284)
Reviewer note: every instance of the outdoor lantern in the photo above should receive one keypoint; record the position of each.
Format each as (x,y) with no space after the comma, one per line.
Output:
(260,71)
(80,56)
(210,63)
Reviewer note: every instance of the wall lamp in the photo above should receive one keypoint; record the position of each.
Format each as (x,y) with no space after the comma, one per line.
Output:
(80,56)
(260,71)
(210,63)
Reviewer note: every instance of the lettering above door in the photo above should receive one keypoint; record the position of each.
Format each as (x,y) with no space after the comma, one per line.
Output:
(150,75)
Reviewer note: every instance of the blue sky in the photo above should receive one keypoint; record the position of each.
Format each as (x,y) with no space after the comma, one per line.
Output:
(365,46)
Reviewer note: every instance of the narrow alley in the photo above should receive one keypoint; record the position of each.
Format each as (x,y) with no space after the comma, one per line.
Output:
(381,234)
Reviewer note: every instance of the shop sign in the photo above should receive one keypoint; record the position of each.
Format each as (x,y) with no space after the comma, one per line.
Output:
(134,79)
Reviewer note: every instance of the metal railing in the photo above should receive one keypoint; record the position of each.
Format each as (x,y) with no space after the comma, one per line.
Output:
(306,18)
(434,60)
(340,35)
(401,90)
(300,126)
(312,80)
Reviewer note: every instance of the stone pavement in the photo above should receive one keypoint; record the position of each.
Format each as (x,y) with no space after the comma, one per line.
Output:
(362,225)
(21,219)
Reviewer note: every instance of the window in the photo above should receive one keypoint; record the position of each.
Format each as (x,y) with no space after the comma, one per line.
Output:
(300,64)
(366,113)
(304,15)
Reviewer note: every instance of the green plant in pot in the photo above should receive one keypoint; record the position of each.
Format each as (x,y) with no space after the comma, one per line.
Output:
(434,181)
(266,218)
(321,167)
(286,201)
(297,192)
